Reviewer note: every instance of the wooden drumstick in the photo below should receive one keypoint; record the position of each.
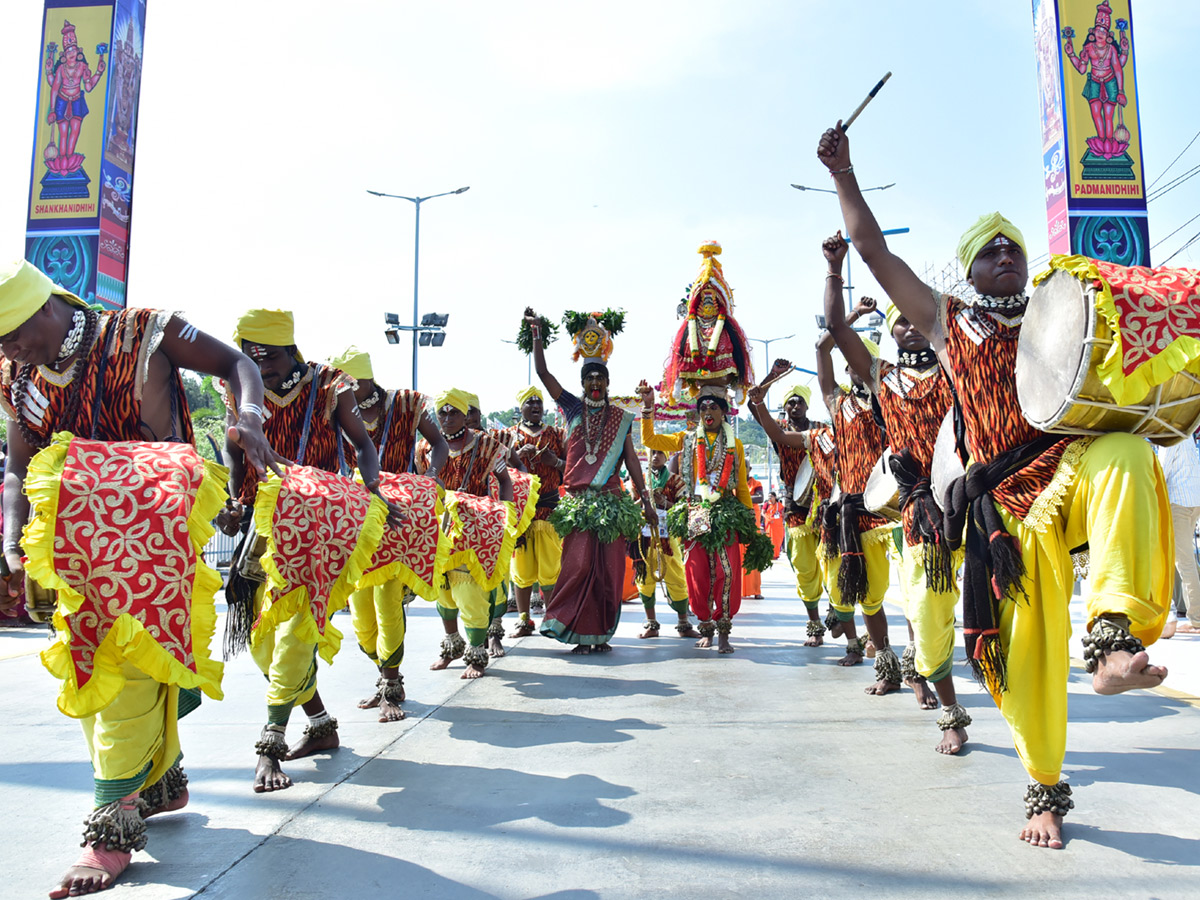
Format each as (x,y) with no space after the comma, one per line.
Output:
(871,96)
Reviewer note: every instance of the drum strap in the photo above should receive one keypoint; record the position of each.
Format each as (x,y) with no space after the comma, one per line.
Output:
(994,568)
(926,520)
(852,571)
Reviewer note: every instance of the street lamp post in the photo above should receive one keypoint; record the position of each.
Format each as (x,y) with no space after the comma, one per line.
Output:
(416,202)
(767,342)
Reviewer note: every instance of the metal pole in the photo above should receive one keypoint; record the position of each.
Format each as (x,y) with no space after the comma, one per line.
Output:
(767,401)
(416,276)
(849,287)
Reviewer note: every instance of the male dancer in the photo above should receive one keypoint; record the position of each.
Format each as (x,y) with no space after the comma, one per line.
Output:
(913,397)
(392,419)
(114,376)
(1037,496)
(307,406)
(667,488)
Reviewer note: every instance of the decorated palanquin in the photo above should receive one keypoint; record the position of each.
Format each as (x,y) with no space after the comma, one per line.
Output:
(416,552)
(710,347)
(1106,347)
(322,532)
(117,529)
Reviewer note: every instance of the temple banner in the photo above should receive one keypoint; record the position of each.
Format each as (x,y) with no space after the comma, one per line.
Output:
(1091,140)
(81,185)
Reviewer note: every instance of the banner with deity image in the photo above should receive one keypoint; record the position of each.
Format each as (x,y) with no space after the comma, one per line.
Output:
(81,186)
(1091,142)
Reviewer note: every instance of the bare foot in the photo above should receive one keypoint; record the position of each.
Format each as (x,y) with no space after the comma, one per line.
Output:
(815,640)
(650,632)
(852,658)
(952,741)
(389,711)
(881,687)
(870,649)
(581,649)
(170,806)
(1186,628)
(1168,631)
(372,701)
(523,629)
(1120,670)
(473,671)
(602,648)
(308,745)
(836,631)
(269,777)
(723,645)
(704,643)
(926,697)
(96,870)
(685,630)
(442,663)
(494,647)
(1043,830)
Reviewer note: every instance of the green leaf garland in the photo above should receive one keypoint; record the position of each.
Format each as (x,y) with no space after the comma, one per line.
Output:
(525,335)
(610,517)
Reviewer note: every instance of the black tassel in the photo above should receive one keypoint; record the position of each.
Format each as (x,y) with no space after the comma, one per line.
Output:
(852,578)
(986,657)
(239,617)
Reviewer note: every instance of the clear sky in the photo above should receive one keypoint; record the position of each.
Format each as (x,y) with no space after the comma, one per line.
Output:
(601,142)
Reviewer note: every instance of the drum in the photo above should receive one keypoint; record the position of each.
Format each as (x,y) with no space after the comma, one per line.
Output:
(1064,338)
(40,602)
(249,559)
(882,493)
(946,464)
(802,486)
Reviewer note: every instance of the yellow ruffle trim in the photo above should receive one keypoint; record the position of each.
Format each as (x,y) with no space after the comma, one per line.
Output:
(398,571)
(530,510)
(470,559)
(878,535)
(127,639)
(1047,504)
(1182,354)
(279,609)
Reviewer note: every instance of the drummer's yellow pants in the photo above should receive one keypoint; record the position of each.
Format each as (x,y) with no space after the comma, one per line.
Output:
(802,551)
(875,551)
(289,662)
(135,739)
(930,612)
(673,580)
(462,596)
(1117,503)
(379,622)
(538,561)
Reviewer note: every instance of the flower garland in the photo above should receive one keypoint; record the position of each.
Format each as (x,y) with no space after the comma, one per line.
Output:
(702,464)
(713,342)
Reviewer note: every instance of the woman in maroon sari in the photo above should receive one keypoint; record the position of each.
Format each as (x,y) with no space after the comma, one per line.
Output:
(595,517)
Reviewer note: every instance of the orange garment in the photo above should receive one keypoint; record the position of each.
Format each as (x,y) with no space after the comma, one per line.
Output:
(774,513)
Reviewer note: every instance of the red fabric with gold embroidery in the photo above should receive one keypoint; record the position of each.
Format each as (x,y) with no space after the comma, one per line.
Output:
(1155,307)
(482,536)
(548,438)
(914,403)
(859,447)
(416,550)
(986,381)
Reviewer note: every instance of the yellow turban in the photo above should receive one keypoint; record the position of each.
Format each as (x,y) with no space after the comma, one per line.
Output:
(801,391)
(531,391)
(460,400)
(472,399)
(355,363)
(980,235)
(891,316)
(270,327)
(24,289)
(872,347)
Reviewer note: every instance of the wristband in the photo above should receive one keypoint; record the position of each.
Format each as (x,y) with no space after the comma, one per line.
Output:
(845,171)
(253,409)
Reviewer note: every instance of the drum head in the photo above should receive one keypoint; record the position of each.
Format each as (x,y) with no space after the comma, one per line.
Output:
(1051,350)
(946,464)
(882,489)
(804,481)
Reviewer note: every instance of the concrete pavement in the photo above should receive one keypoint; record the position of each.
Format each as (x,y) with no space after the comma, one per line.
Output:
(655,771)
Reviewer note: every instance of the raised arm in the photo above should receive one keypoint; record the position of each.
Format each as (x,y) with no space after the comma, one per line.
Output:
(652,440)
(775,434)
(633,465)
(911,295)
(847,339)
(826,378)
(539,356)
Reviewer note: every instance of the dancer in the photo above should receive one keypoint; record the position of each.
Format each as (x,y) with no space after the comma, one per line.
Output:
(379,614)
(596,517)
(114,376)
(664,552)
(913,397)
(1038,496)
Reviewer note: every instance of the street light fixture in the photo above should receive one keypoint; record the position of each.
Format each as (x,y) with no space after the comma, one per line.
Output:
(767,342)
(878,187)
(393,337)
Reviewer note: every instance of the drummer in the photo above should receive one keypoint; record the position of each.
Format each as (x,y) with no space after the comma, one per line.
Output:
(913,396)
(1038,497)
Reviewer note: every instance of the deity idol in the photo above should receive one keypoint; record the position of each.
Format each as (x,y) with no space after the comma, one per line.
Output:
(69,78)
(1105,87)
(710,347)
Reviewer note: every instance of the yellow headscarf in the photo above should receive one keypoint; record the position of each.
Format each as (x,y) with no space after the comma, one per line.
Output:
(472,399)
(872,347)
(531,391)
(981,233)
(270,327)
(355,363)
(802,391)
(891,316)
(460,400)
(24,289)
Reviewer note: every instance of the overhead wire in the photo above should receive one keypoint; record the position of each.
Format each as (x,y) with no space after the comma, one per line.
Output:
(1175,160)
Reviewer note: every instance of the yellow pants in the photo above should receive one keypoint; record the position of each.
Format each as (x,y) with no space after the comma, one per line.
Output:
(473,604)
(135,739)
(673,578)
(931,614)
(802,551)
(539,560)
(875,552)
(289,663)
(1117,503)
(379,621)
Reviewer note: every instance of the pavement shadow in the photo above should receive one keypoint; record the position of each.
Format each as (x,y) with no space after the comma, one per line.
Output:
(1166,849)
(453,798)
(1147,766)
(1132,706)
(540,686)
(505,728)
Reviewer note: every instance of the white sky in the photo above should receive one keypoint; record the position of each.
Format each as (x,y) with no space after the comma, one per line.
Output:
(601,142)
